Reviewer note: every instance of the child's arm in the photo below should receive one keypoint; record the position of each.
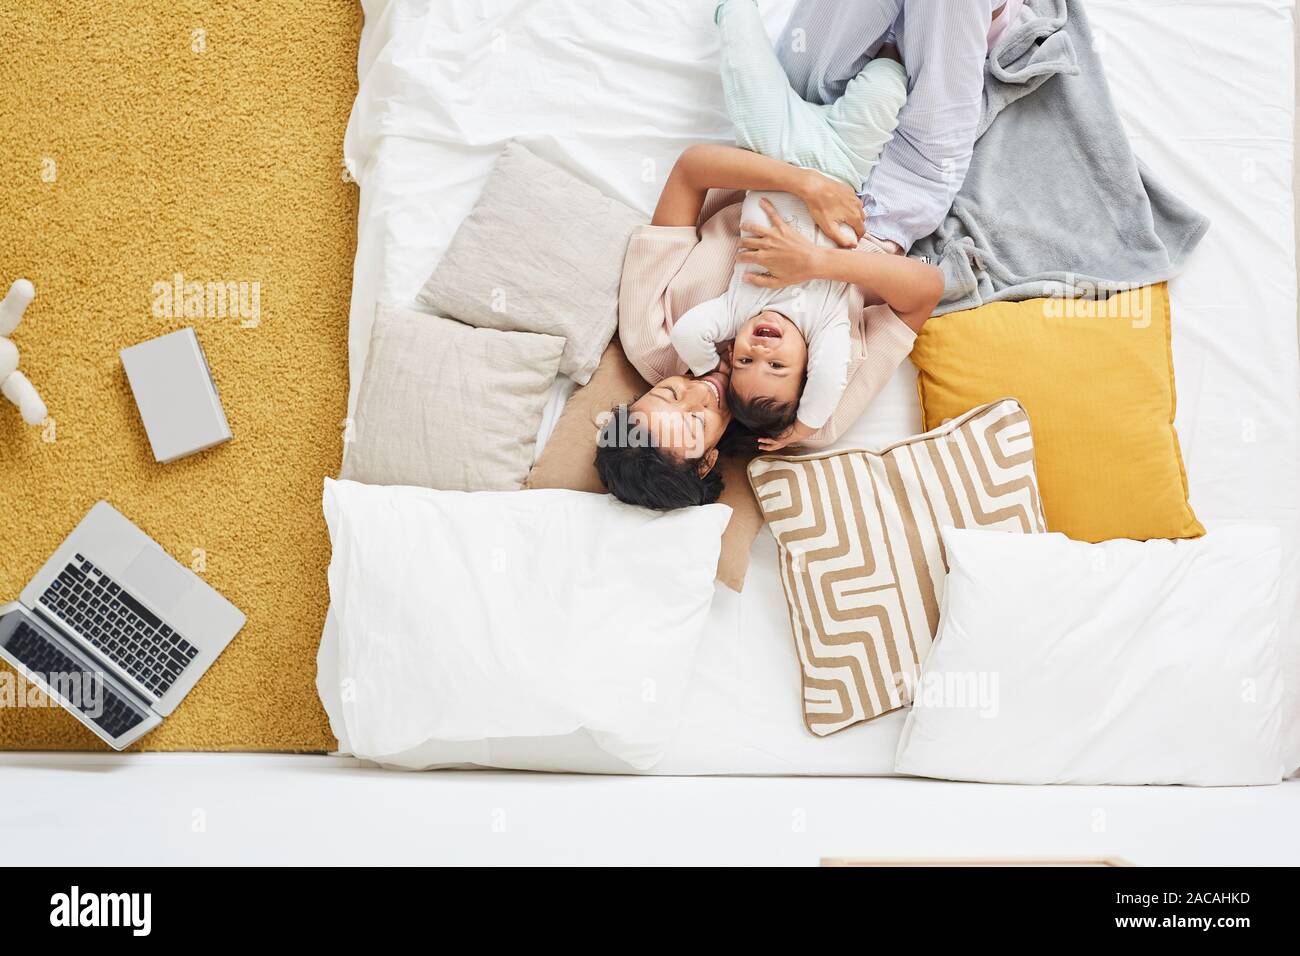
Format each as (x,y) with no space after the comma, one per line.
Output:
(828,376)
(696,334)
(704,167)
(796,434)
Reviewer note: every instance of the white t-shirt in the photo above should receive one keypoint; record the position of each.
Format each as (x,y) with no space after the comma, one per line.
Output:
(819,309)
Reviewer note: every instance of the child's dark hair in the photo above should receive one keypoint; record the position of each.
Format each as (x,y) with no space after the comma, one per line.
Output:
(764,416)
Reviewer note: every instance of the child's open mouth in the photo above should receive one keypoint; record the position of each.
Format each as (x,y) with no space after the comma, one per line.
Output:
(767,331)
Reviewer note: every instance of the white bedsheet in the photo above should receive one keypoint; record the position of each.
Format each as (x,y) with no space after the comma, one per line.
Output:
(614,90)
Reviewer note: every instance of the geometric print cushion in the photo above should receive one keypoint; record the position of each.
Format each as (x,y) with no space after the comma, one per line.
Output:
(862,558)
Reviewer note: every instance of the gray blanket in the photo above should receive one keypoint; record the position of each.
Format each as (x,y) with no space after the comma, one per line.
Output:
(1055,203)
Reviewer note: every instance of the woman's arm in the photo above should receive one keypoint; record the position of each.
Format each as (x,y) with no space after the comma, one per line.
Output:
(704,167)
(908,286)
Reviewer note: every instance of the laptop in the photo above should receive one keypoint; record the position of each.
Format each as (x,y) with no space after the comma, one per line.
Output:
(114,629)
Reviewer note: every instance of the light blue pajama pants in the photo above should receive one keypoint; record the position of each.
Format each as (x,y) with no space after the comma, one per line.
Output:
(844,139)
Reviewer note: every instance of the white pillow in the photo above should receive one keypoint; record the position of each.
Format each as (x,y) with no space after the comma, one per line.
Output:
(464,617)
(1124,662)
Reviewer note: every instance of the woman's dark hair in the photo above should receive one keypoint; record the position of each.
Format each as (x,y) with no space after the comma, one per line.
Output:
(638,473)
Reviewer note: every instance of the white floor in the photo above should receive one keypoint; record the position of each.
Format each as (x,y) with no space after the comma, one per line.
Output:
(236,808)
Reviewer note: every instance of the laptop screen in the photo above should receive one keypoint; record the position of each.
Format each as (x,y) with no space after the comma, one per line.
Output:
(53,675)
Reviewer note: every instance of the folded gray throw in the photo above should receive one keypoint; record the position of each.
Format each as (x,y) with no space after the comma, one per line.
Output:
(1055,203)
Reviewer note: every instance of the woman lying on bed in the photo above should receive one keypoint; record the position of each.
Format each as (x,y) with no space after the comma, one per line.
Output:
(662,450)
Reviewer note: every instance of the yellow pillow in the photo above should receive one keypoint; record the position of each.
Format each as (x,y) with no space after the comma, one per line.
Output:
(1097,380)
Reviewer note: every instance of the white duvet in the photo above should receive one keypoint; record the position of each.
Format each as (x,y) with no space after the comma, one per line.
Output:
(612,90)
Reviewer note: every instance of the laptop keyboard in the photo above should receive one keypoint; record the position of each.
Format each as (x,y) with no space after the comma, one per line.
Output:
(96,608)
(105,709)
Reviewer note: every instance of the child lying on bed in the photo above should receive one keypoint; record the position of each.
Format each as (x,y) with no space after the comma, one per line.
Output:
(790,347)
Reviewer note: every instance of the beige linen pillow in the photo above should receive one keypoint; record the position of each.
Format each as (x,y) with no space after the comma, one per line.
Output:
(568,460)
(541,251)
(447,406)
(862,559)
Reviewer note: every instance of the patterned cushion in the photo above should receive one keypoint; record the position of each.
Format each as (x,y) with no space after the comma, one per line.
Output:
(861,556)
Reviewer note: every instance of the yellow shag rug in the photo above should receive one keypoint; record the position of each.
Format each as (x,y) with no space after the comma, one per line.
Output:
(147,142)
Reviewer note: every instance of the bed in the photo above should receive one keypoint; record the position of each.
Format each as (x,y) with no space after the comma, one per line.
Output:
(613,91)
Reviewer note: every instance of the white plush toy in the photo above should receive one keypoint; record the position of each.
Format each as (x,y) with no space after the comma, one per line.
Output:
(13,383)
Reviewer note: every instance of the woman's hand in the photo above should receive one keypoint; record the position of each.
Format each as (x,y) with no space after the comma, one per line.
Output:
(785,254)
(700,168)
(833,205)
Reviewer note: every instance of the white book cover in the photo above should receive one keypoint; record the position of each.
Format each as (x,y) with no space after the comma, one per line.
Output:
(176,395)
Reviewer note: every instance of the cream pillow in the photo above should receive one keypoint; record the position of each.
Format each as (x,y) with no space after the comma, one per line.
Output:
(447,406)
(541,251)
(861,558)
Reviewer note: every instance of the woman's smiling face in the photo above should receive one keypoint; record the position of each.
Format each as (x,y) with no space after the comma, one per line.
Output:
(685,416)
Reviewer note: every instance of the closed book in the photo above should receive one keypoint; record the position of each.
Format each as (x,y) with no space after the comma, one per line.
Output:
(176,395)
